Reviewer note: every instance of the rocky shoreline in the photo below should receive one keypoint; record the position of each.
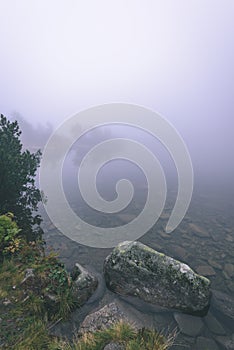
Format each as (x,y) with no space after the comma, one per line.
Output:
(105,308)
(207,248)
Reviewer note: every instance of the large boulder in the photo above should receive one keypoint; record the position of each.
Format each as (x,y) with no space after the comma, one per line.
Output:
(137,270)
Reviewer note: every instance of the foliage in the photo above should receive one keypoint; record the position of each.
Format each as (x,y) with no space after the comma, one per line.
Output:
(18,192)
(30,305)
(58,278)
(9,240)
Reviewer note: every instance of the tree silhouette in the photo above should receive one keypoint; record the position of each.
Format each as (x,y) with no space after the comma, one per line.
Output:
(18,193)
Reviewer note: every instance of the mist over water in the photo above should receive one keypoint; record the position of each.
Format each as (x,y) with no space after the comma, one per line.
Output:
(212,159)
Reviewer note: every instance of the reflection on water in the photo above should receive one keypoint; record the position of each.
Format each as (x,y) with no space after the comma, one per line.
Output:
(204,240)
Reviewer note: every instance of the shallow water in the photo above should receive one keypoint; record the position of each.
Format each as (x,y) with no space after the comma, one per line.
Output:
(204,240)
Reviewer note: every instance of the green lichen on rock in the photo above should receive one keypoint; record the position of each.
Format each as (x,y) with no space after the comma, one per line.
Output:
(136,269)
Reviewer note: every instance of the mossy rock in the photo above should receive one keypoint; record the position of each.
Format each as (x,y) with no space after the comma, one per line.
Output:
(137,270)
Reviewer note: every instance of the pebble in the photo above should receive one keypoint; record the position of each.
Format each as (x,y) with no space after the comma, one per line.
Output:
(179,252)
(229,269)
(199,231)
(229,238)
(205,270)
(214,264)
(164,235)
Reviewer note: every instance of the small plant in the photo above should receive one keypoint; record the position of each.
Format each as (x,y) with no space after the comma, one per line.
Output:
(58,278)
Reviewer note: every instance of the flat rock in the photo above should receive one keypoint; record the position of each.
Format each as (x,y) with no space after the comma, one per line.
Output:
(102,319)
(189,325)
(134,269)
(205,270)
(206,344)
(223,303)
(214,325)
(164,321)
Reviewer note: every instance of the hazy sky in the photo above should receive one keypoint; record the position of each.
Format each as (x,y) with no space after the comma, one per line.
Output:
(175,56)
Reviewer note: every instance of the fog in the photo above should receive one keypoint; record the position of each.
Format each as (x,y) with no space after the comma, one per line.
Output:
(176,58)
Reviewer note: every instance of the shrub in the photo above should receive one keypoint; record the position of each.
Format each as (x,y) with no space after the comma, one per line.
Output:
(9,231)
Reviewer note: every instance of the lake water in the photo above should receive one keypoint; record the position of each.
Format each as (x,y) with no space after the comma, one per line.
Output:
(204,240)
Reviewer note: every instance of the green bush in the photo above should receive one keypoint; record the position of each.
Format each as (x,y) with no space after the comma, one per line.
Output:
(9,240)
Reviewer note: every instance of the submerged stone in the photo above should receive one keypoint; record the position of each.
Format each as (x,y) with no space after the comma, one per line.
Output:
(206,343)
(137,270)
(205,270)
(214,325)
(103,318)
(189,325)
(224,303)
(84,283)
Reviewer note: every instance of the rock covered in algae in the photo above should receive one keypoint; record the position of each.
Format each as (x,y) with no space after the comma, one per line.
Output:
(135,269)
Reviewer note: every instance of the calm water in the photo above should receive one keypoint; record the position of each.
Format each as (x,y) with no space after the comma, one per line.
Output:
(204,240)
